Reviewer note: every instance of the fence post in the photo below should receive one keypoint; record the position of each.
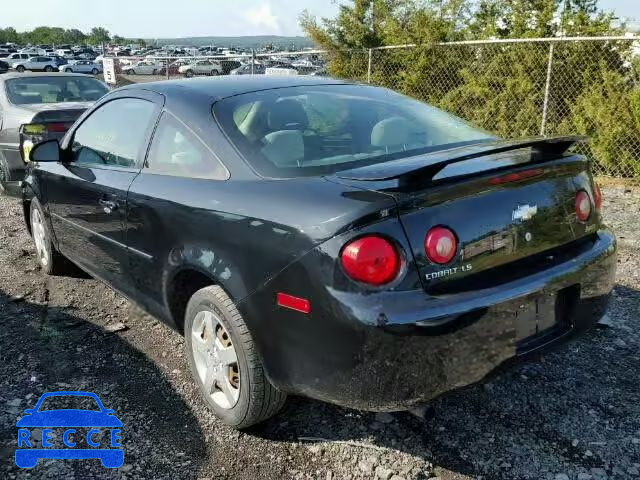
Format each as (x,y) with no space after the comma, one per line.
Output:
(253,60)
(369,67)
(547,91)
(167,62)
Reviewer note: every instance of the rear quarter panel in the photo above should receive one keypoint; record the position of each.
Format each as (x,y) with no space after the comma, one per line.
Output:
(238,233)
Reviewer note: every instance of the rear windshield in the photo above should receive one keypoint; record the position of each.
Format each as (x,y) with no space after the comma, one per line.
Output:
(316,130)
(43,89)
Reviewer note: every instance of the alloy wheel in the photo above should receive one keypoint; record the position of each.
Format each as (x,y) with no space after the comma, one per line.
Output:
(39,237)
(216,360)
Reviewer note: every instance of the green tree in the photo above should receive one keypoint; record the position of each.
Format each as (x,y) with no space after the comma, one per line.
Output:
(75,36)
(98,35)
(9,35)
(500,87)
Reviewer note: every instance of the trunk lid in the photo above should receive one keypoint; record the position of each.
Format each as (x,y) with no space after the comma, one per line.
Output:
(511,206)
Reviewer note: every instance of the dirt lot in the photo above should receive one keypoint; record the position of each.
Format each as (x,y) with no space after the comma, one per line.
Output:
(575,414)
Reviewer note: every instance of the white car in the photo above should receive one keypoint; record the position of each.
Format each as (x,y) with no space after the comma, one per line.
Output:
(37,64)
(145,67)
(63,52)
(33,51)
(82,66)
(17,57)
(201,67)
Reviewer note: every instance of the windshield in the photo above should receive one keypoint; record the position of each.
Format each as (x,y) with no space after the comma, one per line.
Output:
(315,130)
(43,89)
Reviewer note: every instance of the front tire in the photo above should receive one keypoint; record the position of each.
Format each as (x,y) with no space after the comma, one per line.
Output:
(51,262)
(189,73)
(224,361)
(215,73)
(48,68)
(20,69)
(95,71)
(68,70)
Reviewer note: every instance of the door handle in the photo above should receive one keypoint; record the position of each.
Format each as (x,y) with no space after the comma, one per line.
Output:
(108,206)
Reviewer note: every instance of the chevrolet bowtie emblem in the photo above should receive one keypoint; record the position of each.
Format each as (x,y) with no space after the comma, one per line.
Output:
(524,212)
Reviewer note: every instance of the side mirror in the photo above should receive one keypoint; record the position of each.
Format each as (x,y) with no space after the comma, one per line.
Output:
(48,151)
(30,410)
(109,411)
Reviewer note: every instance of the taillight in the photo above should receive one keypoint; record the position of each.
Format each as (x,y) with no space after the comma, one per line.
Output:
(372,260)
(57,127)
(598,196)
(41,128)
(583,206)
(516,177)
(441,245)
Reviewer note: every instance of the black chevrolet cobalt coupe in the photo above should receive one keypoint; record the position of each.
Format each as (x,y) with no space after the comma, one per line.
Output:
(315,237)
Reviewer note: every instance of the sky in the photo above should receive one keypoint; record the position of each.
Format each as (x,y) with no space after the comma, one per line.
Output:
(191,18)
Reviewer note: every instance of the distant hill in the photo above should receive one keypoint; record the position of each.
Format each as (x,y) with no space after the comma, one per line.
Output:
(256,41)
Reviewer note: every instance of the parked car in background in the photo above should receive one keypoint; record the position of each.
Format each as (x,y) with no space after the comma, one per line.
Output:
(429,252)
(145,67)
(59,60)
(258,69)
(83,66)
(174,67)
(18,57)
(37,64)
(33,51)
(4,68)
(36,107)
(63,52)
(201,67)
(228,65)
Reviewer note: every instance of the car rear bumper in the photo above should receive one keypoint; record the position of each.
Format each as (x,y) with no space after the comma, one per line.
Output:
(395,350)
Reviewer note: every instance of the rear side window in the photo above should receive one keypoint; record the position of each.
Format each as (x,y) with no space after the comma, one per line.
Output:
(177,151)
(115,134)
(323,129)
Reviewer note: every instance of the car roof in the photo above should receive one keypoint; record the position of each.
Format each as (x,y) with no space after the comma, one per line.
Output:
(9,76)
(217,88)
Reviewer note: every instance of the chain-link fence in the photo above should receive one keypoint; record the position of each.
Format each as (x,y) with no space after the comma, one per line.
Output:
(512,88)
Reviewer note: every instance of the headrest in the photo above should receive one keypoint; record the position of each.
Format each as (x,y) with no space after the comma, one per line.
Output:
(284,148)
(390,132)
(287,114)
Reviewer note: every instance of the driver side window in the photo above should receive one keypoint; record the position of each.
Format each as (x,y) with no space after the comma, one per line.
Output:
(114,135)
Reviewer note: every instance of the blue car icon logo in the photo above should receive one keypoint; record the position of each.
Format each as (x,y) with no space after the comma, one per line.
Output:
(60,426)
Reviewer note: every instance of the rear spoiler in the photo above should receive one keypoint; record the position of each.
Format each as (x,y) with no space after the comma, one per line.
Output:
(430,164)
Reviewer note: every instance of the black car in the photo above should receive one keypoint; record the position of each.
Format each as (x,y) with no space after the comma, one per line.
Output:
(4,66)
(314,237)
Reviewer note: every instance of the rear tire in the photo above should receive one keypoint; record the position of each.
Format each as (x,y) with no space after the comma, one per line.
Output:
(68,70)
(189,73)
(49,259)
(95,71)
(257,399)
(215,73)
(4,173)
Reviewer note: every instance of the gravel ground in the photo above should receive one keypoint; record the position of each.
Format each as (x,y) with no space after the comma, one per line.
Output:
(575,414)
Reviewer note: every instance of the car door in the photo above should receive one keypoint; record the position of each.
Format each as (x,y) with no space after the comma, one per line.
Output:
(164,205)
(87,193)
(203,66)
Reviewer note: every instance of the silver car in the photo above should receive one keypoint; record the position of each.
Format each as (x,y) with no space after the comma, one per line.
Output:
(82,66)
(36,107)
